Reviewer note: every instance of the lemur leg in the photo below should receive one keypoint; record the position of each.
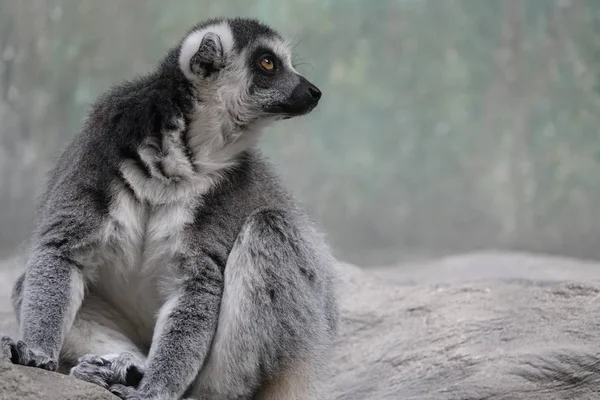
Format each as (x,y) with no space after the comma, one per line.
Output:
(98,346)
(272,328)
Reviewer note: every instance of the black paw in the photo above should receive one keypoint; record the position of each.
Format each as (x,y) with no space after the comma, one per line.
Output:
(122,369)
(19,353)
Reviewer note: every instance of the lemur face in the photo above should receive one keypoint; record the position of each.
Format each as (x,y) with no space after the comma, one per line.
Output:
(245,68)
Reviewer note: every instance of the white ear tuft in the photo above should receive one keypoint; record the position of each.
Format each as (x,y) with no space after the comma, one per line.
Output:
(216,40)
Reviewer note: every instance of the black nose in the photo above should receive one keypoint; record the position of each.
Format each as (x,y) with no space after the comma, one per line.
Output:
(314,92)
(303,99)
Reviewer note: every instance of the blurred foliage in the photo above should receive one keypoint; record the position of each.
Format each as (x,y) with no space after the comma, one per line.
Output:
(445,125)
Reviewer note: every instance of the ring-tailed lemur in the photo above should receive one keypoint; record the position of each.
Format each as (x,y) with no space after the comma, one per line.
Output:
(167,257)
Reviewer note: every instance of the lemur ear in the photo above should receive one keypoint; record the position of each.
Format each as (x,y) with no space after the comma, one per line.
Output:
(210,56)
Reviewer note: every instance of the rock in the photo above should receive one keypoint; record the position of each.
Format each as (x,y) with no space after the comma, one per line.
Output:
(26,383)
(490,266)
(484,326)
(496,339)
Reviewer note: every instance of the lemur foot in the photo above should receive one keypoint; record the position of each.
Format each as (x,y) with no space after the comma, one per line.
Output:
(19,353)
(93,369)
(105,371)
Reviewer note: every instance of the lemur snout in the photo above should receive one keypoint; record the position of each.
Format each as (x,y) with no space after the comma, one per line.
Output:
(304,98)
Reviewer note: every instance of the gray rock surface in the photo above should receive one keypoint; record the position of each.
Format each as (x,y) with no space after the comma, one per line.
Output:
(480,326)
(26,383)
(508,338)
(490,266)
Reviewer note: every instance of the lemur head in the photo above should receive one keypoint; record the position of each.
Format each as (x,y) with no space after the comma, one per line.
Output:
(244,68)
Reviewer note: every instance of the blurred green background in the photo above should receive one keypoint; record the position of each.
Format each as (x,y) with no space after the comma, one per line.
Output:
(446,125)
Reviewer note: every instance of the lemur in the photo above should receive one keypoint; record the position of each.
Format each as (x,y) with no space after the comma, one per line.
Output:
(167,258)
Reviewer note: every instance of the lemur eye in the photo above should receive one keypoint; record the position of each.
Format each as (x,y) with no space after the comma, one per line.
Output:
(267,63)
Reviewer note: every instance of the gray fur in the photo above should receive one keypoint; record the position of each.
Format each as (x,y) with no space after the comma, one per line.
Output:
(165,244)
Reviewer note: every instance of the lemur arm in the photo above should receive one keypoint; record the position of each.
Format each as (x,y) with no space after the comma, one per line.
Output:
(184,331)
(53,292)
(52,289)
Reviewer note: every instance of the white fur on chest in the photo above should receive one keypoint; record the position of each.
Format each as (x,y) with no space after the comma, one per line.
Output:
(138,256)
(140,244)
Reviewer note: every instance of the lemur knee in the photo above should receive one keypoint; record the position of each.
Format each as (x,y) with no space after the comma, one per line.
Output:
(269,229)
(272,221)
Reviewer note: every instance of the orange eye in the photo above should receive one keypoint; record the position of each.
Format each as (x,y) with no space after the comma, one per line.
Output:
(267,64)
